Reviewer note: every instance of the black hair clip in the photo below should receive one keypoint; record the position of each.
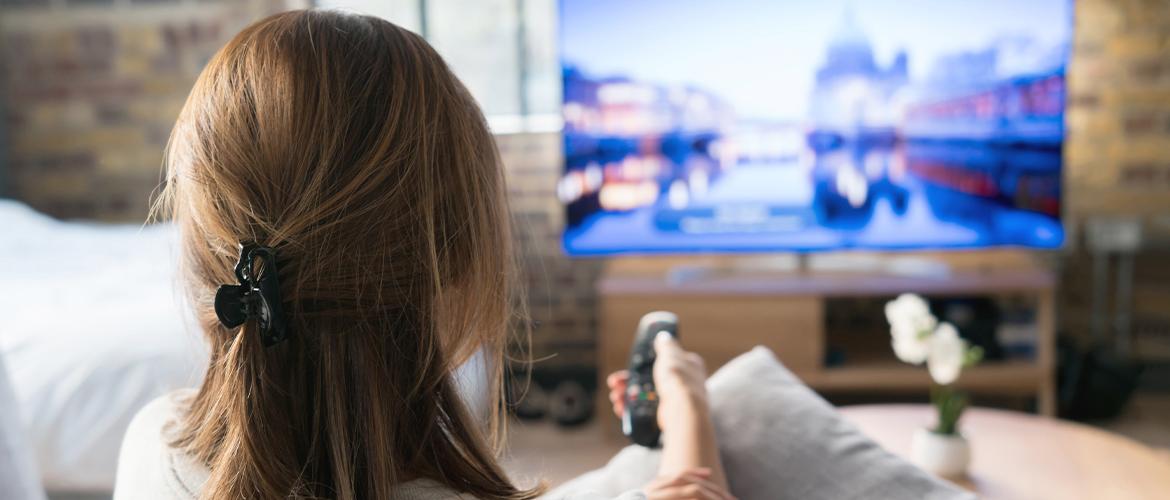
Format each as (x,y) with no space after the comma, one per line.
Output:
(257,296)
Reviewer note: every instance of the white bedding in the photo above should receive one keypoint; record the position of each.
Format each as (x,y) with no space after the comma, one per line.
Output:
(91,330)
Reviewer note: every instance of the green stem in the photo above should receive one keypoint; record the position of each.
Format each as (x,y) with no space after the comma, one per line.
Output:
(950,403)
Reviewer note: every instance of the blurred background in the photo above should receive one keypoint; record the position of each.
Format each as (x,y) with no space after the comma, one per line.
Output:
(89,329)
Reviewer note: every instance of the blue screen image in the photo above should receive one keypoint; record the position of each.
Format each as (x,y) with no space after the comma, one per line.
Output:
(763,125)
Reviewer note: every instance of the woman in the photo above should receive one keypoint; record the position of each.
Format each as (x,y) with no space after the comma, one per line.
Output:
(345,245)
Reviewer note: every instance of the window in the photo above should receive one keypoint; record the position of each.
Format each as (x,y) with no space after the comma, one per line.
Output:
(504,51)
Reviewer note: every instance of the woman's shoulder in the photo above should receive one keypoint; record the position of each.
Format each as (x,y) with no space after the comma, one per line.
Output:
(148,467)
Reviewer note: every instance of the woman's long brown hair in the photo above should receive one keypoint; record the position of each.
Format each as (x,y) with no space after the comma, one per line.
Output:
(345,143)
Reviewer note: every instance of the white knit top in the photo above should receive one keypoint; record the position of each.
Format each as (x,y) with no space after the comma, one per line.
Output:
(149,469)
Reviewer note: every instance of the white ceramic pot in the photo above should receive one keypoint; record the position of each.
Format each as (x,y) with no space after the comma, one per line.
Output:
(945,455)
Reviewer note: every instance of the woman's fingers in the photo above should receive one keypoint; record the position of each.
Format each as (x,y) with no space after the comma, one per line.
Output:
(617,390)
(681,477)
(689,485)
(660,482)
(708,486)
(617,380)
(685,492)
(619,403)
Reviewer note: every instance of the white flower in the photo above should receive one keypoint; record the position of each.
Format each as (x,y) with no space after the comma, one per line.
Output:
(910,326)
(910,349)
(946,354)
(907,305)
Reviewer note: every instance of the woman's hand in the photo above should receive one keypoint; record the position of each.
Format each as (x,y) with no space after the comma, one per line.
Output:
(688,436)
(617,382)
(693,484)
(679,377)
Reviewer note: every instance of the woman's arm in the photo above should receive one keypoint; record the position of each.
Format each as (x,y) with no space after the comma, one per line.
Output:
(688,437)
(691,467)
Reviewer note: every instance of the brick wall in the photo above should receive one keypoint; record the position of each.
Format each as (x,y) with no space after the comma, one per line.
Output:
(560,289)
(91,94)
(1117,155)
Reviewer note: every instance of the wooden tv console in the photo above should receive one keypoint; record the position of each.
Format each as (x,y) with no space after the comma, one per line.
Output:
(729,304)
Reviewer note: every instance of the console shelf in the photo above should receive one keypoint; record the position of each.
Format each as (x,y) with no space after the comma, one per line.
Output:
(1017,378)
(729,304)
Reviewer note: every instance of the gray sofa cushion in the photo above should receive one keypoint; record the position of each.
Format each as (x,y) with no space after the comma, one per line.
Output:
(780,440)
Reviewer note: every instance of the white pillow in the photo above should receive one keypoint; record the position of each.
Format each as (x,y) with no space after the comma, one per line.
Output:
(780,440)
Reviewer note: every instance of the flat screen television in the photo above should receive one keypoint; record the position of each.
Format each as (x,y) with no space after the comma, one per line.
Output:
(765,125)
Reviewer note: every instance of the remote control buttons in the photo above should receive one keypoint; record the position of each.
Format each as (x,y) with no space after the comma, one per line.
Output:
(646,395)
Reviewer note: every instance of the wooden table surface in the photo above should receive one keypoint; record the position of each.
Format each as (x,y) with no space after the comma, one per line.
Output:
(1021,456)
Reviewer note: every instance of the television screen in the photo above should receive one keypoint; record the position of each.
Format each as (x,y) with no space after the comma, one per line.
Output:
(764,125)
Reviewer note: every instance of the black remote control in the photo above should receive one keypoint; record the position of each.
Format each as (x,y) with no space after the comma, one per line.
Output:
(640,418)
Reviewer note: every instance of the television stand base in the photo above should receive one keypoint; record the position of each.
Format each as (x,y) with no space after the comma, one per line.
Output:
(729,304)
